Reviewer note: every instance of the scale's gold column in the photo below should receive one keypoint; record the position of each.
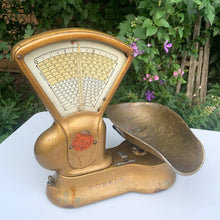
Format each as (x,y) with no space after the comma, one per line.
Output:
(86,139)
(84,130)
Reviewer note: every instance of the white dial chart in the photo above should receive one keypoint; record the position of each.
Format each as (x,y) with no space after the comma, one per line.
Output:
(76,75)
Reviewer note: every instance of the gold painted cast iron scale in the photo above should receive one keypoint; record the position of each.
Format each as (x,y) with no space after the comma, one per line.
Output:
(76,72)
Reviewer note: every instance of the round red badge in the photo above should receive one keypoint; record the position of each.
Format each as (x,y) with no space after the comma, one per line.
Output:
(82,141)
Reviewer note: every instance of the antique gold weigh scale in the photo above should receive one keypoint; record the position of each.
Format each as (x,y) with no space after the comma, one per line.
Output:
(76,73)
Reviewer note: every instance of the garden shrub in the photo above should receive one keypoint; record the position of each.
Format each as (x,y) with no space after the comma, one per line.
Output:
(160,32)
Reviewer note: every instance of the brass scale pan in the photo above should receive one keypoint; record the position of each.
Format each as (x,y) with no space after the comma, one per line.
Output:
(160,131)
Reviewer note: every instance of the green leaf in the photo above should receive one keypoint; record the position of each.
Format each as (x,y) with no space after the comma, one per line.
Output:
(162,34)
(129,17)
(210,12)
(148,23)
(139,33)
(62,3)
(159,14)
(12,122)
(76,4)
(216,31)
(172,31)
(169,8)
(3,46)
(136,64)
(182,80)
(66,19)
(142,45)
(162,23)
(151,31)
(176,1)
(125,27)
(9,127)
(180,31)
(181,16)
(8,56)
(85,13)
(28,31)
(155,51)
(122,38)
(142,4)
(176,66)
(198,2)
(140,19)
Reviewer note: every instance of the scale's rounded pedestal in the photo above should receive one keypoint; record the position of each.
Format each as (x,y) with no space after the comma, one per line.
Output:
(130,173)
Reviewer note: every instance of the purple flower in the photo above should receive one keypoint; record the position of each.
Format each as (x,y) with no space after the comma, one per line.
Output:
(149,95)
(135,49)
(166,46)
(162,82)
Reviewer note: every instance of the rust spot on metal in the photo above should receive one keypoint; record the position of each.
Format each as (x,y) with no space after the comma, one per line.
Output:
(158,190)
(73,190)
(68,206)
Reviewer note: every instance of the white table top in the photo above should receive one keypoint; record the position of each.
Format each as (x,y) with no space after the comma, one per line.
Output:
(23,184)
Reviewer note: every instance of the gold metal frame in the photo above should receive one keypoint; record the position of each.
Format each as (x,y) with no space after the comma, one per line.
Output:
(24,47)
(127,173)
(63,131)
(94,173)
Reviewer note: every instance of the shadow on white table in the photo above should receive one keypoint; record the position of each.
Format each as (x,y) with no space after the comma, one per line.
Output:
(23,184)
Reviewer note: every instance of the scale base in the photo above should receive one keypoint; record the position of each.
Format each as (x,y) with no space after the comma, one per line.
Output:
(128,173)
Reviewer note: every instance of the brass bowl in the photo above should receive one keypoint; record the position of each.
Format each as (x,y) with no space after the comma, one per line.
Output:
(160,131)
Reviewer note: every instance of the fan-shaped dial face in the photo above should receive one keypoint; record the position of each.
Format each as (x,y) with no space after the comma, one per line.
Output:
(76,75)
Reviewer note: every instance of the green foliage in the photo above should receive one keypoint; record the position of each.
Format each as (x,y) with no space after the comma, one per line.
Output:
(158,23)
(155,25)
(8,115)
(15,106)
(149,24)
(28,31)
(206,115)
(9,112)
(128,90)
(4,50)
(100,15)
(30,103)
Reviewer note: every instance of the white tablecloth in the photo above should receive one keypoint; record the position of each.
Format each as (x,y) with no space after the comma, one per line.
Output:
(23,184)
